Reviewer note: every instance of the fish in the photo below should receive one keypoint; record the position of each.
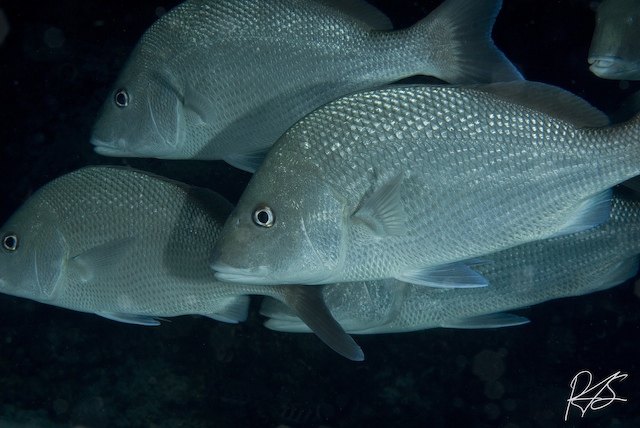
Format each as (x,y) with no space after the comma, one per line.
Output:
(134,247)
(418,182)
(224,80)
(529,274)
(614,52)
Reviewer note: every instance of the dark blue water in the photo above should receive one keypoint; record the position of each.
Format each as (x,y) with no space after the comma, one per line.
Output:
(68,369)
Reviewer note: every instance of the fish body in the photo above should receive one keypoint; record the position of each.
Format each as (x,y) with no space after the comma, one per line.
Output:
(614,51)
(416,182)
(218,79)
(569,265)
(131,247)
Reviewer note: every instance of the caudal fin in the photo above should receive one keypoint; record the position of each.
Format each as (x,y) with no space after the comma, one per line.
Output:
(460,50)
(308,304)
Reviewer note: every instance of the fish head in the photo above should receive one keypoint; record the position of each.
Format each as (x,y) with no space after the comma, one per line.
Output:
(611,67)
(32,256)
(288,227)
(142,116)
(613,53)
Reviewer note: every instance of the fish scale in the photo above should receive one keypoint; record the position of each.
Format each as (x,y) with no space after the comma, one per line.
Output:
(112,194)
(134,247)
(225,79)
(528,274)
(488,171)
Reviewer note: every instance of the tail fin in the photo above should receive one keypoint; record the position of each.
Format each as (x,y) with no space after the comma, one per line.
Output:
(460,45)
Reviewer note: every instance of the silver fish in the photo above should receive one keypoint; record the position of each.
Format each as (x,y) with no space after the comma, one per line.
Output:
(414,182)
(570,265)
(225,79)
(614,51)
(133,247)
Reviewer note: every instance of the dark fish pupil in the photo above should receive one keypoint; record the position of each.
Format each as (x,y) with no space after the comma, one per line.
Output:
(122,98)
(263,216)
(10,242)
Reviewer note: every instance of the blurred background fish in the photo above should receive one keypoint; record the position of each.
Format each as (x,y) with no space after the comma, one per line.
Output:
(615,48)
(570,265)
(133,247)
(4,26)
(224,79)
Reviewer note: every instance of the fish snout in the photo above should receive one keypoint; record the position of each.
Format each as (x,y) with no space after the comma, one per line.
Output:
(109,148)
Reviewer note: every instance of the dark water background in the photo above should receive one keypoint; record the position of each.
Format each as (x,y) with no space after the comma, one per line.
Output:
(60,368)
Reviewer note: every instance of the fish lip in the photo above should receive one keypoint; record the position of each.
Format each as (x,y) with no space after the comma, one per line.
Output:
(602,61)
(605,66)
(228,273)
(109,148)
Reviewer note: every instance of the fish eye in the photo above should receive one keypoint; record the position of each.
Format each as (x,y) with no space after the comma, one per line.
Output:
(10,242)
(121,98)
(263,216)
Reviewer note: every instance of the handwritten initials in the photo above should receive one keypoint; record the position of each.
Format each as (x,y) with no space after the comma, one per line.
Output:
(594,397)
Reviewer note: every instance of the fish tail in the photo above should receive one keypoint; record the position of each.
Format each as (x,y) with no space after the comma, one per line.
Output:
(458,38)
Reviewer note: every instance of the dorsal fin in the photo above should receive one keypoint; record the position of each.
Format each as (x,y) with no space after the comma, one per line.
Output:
(549,99)
(362,11)
(211,201)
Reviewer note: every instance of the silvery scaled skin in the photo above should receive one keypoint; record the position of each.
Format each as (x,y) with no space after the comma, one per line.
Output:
(569,265)
(134,247)
(216,79)
(614,52)
(413,182)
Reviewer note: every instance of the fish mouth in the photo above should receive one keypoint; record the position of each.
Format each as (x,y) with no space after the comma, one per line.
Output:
(255,276)
(604,65)
(110,148)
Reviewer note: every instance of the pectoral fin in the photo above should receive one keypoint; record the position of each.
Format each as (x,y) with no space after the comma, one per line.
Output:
(308,303)
(199,104)
(452,275)
(383,211)
(101,260)
(487,321)
(247,161)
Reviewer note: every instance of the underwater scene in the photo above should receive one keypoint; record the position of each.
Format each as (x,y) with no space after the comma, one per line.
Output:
(550,341)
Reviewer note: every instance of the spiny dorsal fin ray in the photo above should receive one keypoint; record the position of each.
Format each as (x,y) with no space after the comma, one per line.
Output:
(554,101)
